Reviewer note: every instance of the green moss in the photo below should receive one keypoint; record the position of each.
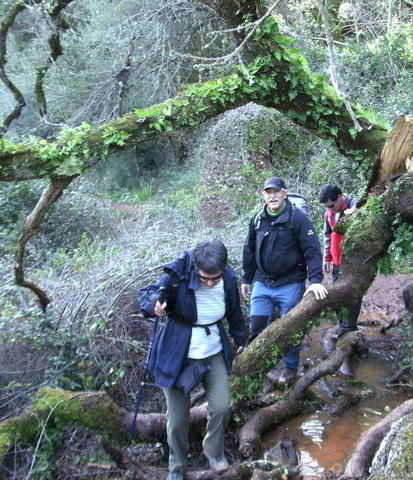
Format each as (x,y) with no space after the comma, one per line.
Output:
(403,467)
(15,430)
(152,111)
(246,387)
(54,409)
(69,408)
(364,231)
(5,441)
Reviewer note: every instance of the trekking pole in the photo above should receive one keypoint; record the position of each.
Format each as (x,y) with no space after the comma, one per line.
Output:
(143,382)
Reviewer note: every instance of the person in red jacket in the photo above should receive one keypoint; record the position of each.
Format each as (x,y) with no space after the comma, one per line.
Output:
(337,205)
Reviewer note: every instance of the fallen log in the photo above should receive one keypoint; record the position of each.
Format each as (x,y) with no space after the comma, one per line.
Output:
(54,406)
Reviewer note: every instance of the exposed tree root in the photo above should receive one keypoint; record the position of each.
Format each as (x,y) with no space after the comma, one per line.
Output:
(263,419)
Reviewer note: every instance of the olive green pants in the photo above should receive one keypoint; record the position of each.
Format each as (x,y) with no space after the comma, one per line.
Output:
(216,384)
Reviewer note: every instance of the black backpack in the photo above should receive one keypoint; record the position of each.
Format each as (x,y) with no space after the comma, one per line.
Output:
(146,299)
(300,202)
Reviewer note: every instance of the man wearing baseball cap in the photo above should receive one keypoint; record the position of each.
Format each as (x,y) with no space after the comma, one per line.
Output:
(281,252)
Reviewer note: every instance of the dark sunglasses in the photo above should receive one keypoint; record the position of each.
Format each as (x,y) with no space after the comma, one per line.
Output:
(214,279)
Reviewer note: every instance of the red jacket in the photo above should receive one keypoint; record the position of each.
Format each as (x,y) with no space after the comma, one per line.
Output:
(333,241)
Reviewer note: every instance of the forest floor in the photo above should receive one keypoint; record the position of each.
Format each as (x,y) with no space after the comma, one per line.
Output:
(384,298)
(382,304)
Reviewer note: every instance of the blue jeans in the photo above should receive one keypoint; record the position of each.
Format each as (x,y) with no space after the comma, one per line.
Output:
(264,300)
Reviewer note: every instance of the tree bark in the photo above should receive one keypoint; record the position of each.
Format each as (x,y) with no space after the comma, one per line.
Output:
(359,463)
(397,149)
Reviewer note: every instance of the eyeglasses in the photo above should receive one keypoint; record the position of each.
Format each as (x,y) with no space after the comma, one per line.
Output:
(214,278)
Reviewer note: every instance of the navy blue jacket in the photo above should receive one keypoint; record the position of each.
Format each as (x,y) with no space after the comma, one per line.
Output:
(284,249)
(171,343)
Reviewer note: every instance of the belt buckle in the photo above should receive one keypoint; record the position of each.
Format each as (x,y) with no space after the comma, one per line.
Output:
(270,283)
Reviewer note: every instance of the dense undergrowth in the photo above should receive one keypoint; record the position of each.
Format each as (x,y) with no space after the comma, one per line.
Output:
(112,230)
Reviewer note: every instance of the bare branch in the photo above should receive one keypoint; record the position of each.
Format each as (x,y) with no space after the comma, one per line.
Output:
(56,49)
(5,26)
(30,228)
(237,51)
(334,73)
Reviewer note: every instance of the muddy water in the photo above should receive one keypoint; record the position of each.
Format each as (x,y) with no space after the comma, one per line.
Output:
(326,442)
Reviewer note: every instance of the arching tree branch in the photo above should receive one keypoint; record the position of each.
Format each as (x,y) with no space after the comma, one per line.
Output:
(280,79)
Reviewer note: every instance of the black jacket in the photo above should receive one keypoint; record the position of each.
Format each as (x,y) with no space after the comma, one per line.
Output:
(171,343)
(284,249)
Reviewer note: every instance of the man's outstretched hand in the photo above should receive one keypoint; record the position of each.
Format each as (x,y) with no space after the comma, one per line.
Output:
(319,290)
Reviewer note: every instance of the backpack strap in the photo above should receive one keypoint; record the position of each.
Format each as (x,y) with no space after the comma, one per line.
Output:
(257,219)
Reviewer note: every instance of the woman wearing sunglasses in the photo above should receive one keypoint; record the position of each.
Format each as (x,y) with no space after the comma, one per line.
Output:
(199,291)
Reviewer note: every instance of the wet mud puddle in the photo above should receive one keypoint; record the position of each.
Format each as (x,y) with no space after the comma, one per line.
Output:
(326,442)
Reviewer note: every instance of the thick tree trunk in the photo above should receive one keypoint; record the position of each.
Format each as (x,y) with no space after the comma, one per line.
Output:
(87,409)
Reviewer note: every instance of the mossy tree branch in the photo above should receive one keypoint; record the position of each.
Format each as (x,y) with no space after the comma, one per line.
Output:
(61,407)
(54,408)
(280,79)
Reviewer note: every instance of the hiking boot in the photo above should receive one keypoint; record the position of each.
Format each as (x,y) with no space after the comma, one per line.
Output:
(287,376)
(217,464)
(332,335)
